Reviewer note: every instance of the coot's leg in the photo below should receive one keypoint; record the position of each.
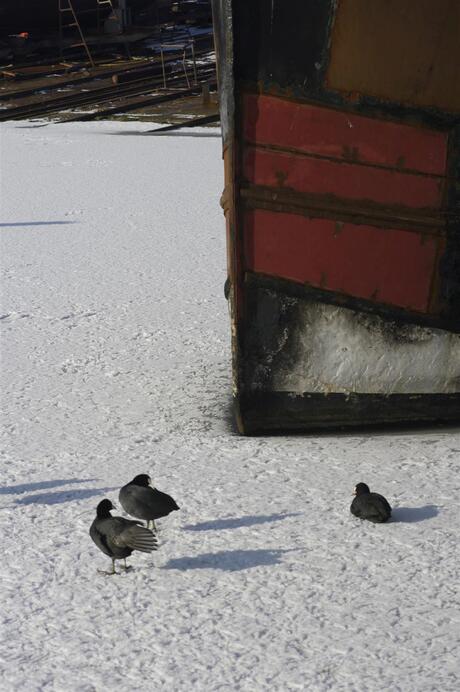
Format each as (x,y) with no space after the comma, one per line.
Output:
(125,566)
(102,571)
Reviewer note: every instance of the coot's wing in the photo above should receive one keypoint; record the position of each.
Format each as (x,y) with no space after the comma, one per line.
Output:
(385,504)
(382,509)
(137,500)
(135,537)
(369,507)
(165,501)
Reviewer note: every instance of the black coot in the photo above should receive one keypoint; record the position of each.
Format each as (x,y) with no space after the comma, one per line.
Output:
(140,499)
(370,506)
(118,537)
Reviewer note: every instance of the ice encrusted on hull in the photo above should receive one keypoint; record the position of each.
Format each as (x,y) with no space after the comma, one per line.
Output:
(341,350)
(319,348)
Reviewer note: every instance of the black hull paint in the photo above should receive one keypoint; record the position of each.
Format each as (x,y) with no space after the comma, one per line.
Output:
(266,412)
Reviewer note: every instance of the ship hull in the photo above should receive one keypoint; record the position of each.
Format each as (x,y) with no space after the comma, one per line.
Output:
(341,136)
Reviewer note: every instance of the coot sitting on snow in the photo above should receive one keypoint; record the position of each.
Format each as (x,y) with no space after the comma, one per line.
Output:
(118,537)
(140,499)
(370,506)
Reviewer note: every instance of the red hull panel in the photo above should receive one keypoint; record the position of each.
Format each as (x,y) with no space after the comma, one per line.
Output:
(386,265)
(346,180)
(346,136)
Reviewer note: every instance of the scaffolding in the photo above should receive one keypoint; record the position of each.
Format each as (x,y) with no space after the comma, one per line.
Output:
(69,22)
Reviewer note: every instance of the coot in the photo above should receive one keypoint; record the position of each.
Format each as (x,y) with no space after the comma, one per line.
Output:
(140,499)
(118,537)
(370,506)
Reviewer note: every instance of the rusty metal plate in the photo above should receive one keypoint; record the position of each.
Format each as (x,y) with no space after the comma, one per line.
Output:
(336,134)
(405,51)
(386,265)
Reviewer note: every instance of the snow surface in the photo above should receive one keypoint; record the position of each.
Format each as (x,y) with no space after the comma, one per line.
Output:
(115,361)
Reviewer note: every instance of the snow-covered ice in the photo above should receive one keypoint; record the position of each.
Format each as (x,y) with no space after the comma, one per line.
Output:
(115,361)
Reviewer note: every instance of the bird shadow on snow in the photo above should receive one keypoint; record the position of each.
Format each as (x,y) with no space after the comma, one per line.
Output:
(228,560)
(42,485)
(61,496)
(409,515)
(36,223)
(238,522)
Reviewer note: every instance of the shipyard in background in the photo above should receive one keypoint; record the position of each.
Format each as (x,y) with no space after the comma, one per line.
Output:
(88,59)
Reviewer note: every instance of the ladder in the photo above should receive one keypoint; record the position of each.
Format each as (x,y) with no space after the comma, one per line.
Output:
(101,5)
(68,20)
